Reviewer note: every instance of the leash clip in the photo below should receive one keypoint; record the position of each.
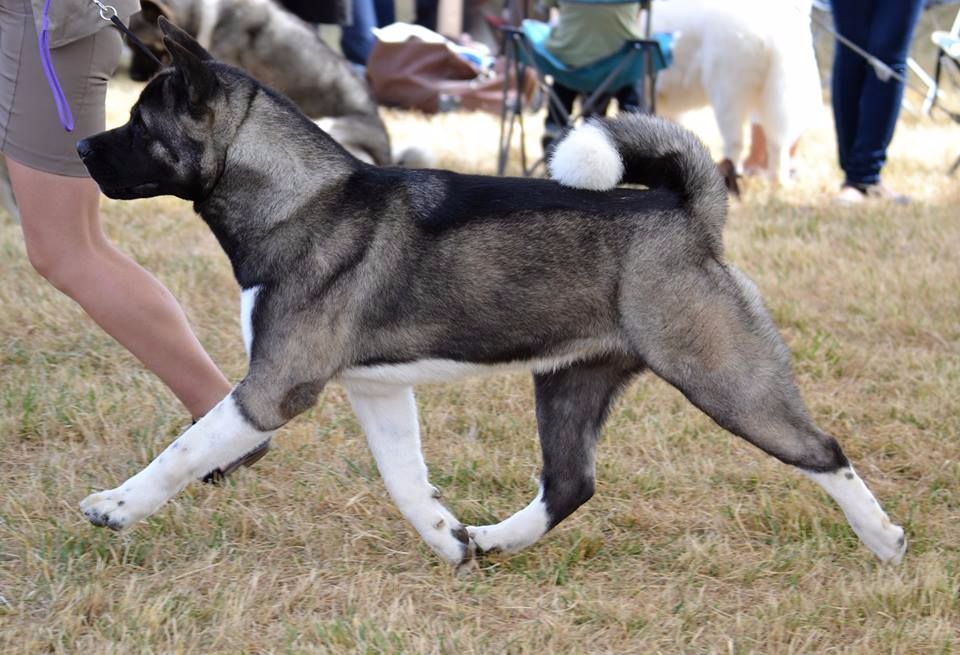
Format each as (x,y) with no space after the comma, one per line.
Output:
(105,11)
(110,14)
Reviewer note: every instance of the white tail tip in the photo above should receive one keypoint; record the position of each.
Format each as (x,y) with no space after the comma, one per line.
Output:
(587,158)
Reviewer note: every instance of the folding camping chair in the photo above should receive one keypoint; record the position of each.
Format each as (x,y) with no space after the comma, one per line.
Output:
(948,55)
(947,58)
(636,63)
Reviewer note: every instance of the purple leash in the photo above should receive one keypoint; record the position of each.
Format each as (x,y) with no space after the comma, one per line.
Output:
(63,107)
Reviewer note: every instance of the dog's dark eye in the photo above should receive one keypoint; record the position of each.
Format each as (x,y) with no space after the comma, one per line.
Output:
(139,127)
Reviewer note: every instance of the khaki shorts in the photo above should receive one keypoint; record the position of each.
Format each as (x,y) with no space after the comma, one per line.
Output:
(30,130)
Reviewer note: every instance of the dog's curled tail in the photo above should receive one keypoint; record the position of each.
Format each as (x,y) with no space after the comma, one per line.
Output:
(638,149)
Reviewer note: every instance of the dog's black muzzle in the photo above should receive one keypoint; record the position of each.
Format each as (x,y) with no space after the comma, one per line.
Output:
(117,179)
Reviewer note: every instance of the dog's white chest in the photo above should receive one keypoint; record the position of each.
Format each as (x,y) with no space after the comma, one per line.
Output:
(426,371)
(248,299)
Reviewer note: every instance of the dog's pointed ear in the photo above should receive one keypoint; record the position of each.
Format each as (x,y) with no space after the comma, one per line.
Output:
(197,75)
(177,35)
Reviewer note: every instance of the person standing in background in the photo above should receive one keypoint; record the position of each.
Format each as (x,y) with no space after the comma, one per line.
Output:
(585,33)
(866,108)
(356,39)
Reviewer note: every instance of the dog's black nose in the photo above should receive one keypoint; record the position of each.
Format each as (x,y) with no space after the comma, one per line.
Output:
(84,149)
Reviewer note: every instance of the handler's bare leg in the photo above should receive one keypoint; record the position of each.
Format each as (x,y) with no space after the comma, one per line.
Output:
(66,245)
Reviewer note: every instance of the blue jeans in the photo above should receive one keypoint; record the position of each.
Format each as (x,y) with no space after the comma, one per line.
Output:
(865,109)
(426,13)
(386,12)
(356,39)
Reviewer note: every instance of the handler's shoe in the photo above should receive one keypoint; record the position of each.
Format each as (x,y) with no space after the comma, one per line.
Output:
(849,195)
(881,191)
(852,194)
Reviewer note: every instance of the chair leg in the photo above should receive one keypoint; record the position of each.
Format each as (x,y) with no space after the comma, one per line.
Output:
(935,92)
(511,111)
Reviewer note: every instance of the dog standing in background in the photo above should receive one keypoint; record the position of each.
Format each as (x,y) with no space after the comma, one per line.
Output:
(284,52)
(383,278)
(746,59)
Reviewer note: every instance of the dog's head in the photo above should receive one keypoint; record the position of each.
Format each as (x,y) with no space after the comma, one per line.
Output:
(178,132)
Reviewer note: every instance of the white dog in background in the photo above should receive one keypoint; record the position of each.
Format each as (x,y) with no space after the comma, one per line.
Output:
(747,59)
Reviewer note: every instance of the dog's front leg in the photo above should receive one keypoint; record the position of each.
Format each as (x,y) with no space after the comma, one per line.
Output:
(388,416)
(223,436)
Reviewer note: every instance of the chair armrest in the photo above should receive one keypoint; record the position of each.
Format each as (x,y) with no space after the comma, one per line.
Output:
(949,43)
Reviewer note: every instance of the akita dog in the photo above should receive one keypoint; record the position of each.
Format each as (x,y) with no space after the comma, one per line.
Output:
(382,278)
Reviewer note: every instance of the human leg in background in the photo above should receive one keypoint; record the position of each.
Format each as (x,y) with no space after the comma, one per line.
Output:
(852,20)
(426,14)
(555,122)
(889,30)
(629,98)
(386,12)
(356,39)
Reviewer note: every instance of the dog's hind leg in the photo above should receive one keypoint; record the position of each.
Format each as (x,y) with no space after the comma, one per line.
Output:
(572,404)
(388,416)
(704,330)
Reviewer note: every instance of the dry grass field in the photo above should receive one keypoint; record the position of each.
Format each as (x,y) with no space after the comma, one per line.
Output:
(694,543)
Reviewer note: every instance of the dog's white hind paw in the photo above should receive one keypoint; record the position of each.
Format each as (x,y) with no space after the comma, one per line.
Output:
(483,537)
(515,533)
(498,538)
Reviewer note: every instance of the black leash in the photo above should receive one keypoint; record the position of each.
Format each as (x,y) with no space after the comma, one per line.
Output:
(109,13)
(880,69)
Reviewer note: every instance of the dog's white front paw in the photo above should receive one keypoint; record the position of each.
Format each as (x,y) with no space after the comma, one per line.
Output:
(864,513)
(118,508)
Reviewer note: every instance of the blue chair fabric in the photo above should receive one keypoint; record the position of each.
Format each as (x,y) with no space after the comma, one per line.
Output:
(588,79)
(636,64)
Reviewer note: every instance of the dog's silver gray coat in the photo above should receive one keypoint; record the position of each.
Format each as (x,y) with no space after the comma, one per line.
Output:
(361,269)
